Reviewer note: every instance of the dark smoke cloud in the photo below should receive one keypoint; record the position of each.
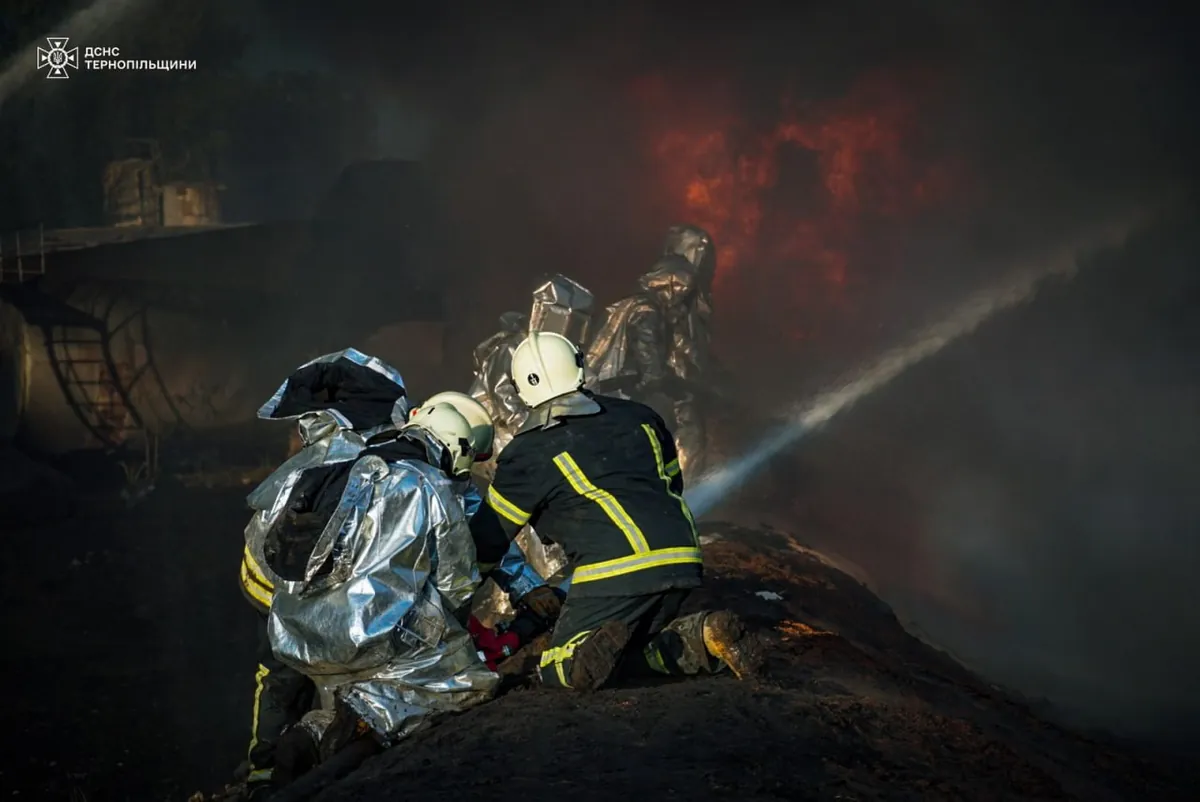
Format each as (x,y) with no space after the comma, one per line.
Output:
(526,110)
(1039,478)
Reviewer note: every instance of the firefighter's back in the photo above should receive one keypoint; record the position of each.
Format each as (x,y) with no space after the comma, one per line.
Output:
(614,499)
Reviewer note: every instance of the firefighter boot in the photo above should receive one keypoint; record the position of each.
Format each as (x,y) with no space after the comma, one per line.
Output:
(597,658)
(296,755)
(345,728)
(725,639)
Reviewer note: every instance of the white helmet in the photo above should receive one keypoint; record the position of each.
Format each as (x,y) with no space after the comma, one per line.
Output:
(446,425)
(546,365)
(483,430)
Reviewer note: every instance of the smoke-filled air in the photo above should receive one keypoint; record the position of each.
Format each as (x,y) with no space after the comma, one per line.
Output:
(917,365)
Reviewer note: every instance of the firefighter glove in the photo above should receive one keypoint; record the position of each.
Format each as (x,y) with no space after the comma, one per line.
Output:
(544,602)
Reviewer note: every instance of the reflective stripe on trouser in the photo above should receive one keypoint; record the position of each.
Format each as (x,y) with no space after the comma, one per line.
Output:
(282,696)
(555,666)
(662,642)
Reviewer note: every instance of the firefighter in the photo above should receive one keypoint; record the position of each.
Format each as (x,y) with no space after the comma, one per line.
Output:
(338,401)
(341,402)
(525,588)
(380,627)
(492,387)
(601,476)
(654,346)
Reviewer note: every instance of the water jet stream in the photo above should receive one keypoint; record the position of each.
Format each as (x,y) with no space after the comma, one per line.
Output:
(718,485)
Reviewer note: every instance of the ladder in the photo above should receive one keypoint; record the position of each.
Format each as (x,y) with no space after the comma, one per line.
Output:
(97,387)
(98,391)
(17,267)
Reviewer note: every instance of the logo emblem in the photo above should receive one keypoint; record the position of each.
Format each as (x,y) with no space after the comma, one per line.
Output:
(533,380)
(57,58)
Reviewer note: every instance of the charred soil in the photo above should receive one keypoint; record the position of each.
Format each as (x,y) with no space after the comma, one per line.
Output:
(129,658)
(850,707)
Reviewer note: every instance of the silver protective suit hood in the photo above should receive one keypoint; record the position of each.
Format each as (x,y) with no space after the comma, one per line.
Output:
(672,282)
(696,246)
(658,340)
(377,620)
(562,306)
(492,386)
(633,346)
(357,391)
(328,433)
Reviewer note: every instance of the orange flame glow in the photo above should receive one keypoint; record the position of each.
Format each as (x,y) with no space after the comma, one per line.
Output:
(790,204)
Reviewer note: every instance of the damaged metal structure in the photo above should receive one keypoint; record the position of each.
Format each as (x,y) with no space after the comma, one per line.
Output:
(114,336)
(105,347)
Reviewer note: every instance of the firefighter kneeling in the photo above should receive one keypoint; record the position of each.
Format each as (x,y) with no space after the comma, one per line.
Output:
(601,477)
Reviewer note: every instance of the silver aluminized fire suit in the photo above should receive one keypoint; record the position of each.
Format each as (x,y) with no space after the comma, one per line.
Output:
(379,620)
(655,346)
(339,401)
(561,305)
(493,386)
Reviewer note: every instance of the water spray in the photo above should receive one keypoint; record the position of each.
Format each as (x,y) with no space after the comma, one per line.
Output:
(718,485)
(83,24)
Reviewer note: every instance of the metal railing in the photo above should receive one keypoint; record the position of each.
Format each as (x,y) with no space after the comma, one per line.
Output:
(22,262)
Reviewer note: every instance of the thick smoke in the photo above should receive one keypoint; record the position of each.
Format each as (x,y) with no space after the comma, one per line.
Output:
(1033,483)
(1031,492)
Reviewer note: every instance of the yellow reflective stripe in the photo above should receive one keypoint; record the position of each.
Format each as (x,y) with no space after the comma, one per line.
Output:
(505,508)
(636,562)
(259,676)
(612,508)
(655,660)
(664,472)
(255,571)
(559,654)
(260,775)
(256,591)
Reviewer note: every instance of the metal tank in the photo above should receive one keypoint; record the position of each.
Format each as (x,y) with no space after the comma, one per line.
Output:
(14,371)
(142,370)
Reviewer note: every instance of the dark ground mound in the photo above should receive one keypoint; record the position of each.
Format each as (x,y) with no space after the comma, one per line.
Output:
(851,708)
(129,659)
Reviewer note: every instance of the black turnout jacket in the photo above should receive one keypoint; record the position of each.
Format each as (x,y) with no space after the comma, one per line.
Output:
(599,476)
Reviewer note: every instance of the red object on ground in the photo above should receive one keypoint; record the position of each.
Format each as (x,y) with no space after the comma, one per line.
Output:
(493,645)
